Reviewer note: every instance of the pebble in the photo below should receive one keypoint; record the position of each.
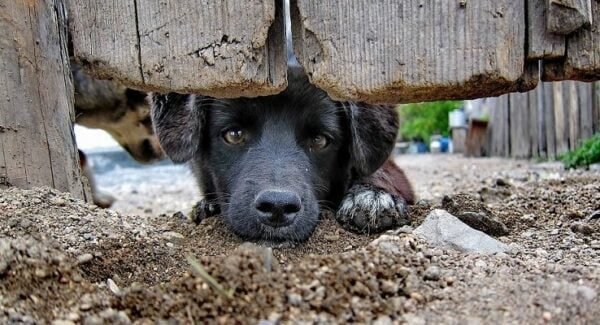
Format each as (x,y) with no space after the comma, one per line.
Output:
(294,299)
(113,287)
(432,273)
(63,322)
(417,296)
(383,320)
(84,258)
(582,228)
(481,264)
(528,217)
(173,236)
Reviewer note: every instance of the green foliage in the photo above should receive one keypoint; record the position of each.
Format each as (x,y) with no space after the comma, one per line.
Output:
(422,120)
(588,153)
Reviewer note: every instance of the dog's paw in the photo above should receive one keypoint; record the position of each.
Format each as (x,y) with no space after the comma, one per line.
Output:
(368,209)
(202,210)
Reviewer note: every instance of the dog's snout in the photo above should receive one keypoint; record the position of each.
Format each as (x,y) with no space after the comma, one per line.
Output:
(277,208)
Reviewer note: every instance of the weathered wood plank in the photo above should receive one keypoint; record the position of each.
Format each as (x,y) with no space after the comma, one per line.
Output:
(541,43)
(520,144)
(549,120)
(561,126)
(36,110)
(572,111)
(500,126)
(541,121)
(391,51)
(223,48)
(596,106)
(583,54)
(584,93)
(567,16)
(534,133)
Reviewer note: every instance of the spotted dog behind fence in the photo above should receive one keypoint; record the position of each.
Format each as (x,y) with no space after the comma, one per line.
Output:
(122,112)
(269,164)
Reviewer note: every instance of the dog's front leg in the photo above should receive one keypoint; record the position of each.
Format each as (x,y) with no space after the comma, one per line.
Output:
(377,202)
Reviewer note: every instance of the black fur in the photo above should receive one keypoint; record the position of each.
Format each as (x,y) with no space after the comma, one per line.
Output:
(277,157)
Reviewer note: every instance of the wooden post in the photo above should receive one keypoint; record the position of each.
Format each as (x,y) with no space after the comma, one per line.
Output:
(520,143)
(37,144)
(548,104)
(596,106)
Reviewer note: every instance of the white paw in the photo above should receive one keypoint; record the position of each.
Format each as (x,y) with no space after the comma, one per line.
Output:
(367,209)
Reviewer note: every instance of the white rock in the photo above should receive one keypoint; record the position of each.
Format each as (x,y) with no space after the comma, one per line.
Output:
(440,228)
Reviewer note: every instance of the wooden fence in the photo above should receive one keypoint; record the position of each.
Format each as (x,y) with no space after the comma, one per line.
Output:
(545,122)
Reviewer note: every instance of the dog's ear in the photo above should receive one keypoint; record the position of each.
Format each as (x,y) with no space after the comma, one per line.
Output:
(178,122)
(373,131)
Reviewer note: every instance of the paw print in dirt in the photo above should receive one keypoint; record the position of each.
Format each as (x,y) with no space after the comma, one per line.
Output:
(369,209)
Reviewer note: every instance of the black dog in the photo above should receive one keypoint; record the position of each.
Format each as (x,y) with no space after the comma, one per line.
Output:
(269,163)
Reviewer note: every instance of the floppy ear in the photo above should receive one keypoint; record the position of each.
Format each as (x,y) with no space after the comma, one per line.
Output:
(178,121)
(373,130)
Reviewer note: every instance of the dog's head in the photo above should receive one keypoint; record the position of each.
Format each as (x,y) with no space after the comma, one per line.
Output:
(122,112)
(272,161)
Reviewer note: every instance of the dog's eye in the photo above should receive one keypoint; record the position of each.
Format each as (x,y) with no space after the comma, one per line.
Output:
(319,142)
(234,136)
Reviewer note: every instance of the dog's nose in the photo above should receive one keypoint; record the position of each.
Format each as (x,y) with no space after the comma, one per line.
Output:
(277,208)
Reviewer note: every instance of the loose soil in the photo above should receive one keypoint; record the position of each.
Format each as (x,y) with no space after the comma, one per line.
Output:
(68,261)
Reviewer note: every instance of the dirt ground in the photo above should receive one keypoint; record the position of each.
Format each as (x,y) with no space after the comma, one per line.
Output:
(66,261)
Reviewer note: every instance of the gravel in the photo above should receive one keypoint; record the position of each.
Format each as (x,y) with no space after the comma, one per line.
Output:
(66,261)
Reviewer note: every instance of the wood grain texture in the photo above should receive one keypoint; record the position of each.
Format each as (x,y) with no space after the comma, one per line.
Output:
(573,110)
(404,51)
(222,48)
(37,145)
(533,127)
(586,118)
(582,61)
(566,16)
(596,106)
(520,141)
(561,125)
(542,44)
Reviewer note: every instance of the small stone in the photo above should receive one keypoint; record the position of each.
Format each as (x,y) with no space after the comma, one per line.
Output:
(73,317)
(554,232)
(41,273)
(332,238)
(417,297)
(275,318)
(62,322)
(85,306)
(112,286)
(586,292)
(480,264)
(547,316)
(582,228)
(389,287)
(432,273)
(383,320)
(294,299)
(450,280)
(174,237)
(84,258)
(528,217)
(59,202)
